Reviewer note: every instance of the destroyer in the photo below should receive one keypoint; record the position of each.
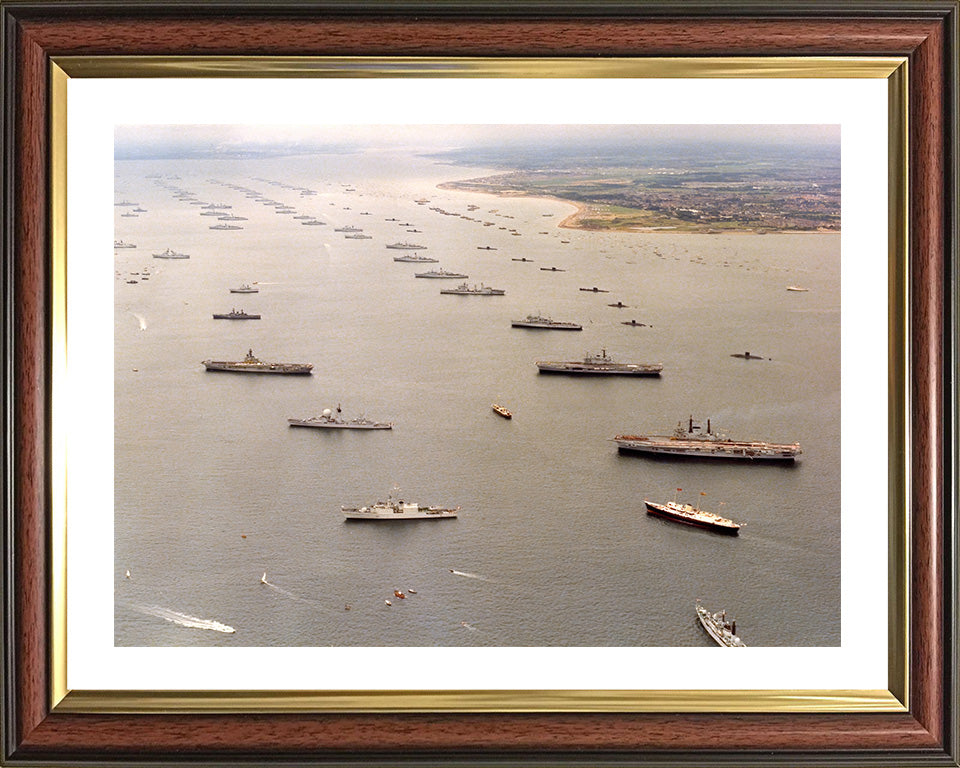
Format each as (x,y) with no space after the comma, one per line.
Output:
(398,509)
(168,254)
(407,247)
(245,288)
(600,364)
(465,290)
(330,420)
(441,274)
(538,321)
(689,515)
(235,314)
(691,441)
(251,364)
(416,259)
(717,626)
(121,244)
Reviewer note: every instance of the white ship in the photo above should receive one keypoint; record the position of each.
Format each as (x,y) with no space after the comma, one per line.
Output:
(722,631)
(330,420)
(398,509)
(478,290)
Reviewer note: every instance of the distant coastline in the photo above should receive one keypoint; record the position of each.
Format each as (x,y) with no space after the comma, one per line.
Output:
(593,217)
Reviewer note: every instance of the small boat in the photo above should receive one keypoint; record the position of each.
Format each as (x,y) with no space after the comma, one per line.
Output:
(618,305)
(716,625)
(499,409)
(594,290)
(635,324)
(522,259)
(552,269)
(748,356)
(797,289)
(485,248)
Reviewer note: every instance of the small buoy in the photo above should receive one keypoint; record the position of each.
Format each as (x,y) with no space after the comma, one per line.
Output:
(243,535)
(346,607)
(127,575)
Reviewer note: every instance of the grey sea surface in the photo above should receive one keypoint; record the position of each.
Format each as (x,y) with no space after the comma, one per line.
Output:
(552,546)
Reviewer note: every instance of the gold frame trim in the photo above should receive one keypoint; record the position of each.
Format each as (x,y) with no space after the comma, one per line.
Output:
(893,69)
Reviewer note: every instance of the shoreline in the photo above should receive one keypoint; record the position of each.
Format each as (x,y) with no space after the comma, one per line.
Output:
(572,220)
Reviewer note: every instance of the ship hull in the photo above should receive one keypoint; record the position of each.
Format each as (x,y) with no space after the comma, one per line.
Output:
(731,450)
(659,510)
(422,513)
(276,368)
(236,317)
(335,425)
(540,327)
(579,369)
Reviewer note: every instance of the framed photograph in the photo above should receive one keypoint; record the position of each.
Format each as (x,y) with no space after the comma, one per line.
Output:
(461,378)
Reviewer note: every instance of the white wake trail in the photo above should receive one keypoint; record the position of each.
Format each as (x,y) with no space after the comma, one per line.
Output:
(469,575)
(183,619)
(142,319)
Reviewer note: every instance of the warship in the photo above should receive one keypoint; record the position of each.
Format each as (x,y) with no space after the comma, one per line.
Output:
(121,244)
(398,509)
(722,631)
(235,314)
(692,441)
(245,288)
(690,515)
(441,274)
(465,290)
(416,259)
(225,226)
(347,229)
(168,254)
(251,364)
(538,321)
(601,364)
(406,247)
(329,419)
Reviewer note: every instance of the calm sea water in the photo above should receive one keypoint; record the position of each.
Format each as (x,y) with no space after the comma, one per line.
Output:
(552,546)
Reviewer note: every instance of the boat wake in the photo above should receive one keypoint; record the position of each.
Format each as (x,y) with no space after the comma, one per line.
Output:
(468,626)
(469,575)
(142,319)
(183,619)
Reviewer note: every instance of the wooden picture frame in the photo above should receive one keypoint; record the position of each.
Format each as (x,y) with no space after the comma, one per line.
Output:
(38,732)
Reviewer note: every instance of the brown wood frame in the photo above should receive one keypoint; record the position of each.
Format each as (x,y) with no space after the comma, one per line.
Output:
(925,32)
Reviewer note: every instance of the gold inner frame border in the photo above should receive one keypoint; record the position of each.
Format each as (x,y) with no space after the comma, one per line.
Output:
(894,699)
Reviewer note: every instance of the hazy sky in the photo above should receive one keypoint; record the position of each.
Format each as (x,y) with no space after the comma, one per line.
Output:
(224,140)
